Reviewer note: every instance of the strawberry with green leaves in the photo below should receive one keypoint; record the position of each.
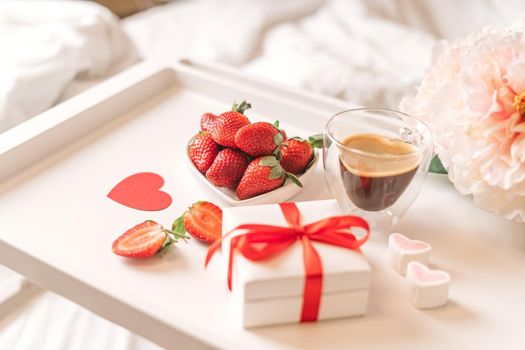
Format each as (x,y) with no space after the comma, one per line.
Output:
(259,139)
(296,154)
(145,240)
(264,174)
(202,151)
(225,126)
(203,220)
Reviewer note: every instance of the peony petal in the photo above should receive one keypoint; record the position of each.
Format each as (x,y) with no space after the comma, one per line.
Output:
(516,77)
(506,100)
(517,150)
(516,124)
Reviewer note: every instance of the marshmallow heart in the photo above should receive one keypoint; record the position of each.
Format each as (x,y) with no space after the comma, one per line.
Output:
(423,275)
(402,250)
(426,288)
(407,244)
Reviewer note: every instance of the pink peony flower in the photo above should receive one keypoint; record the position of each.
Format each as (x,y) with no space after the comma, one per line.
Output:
(473,98)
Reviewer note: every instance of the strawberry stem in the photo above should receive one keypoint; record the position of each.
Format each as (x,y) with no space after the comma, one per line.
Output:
(177,229)
(241,107)
(173,235)
(176,235)
(168,242)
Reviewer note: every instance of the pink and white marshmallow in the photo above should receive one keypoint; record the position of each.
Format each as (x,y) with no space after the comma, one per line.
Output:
(402,250)
(426,288)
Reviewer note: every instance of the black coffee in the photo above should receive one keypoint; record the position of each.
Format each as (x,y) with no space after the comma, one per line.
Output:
(377,171)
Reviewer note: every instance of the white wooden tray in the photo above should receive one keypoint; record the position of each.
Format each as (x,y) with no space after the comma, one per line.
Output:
(57,226)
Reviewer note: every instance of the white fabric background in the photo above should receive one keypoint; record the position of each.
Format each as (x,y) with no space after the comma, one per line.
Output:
(46,46)
(369,52)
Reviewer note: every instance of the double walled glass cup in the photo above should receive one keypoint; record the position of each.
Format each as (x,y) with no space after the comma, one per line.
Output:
(375,162)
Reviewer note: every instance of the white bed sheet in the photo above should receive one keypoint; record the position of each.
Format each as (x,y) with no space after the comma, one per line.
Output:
(369,52)
(50,50)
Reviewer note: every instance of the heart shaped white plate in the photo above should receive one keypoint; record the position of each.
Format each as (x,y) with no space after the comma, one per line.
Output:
(227,197)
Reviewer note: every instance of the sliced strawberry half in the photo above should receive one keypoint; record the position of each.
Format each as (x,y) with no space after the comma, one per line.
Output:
(203,220)
(145,240)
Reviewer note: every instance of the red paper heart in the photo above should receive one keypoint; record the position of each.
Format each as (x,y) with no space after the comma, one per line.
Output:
(141,191)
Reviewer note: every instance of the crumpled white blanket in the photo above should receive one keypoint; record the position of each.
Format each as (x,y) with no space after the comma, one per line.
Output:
(46,45)
(370,52)
(346,52)
(339,48)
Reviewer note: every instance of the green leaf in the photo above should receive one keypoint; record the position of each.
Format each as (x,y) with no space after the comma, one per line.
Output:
(277,172)
(168,242)
(278,139)
(436,166)
(278,153)
(276,124)
(316,141)
(178,225)
(294,179)
(268,161)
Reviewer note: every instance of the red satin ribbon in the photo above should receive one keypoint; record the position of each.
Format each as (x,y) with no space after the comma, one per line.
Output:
(259,242)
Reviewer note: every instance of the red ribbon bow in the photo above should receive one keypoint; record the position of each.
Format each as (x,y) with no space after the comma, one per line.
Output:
(259,242)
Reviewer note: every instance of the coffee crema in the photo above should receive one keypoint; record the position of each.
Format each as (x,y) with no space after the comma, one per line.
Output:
(376,170)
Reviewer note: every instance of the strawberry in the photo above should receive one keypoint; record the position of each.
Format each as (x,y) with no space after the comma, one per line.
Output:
(145,240)
(258,139)
(263,175)
(297,154)
(203,220)
(202,151)
(226,125)
(207,120)
(227,168)
(284,134)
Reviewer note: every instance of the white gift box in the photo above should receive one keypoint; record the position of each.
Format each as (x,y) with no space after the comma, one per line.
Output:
(271,291)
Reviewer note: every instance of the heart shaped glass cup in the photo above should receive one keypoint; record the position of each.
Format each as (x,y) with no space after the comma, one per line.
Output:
(375,162)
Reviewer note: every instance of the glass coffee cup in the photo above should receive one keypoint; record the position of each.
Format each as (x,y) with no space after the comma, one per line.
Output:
(375,162)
